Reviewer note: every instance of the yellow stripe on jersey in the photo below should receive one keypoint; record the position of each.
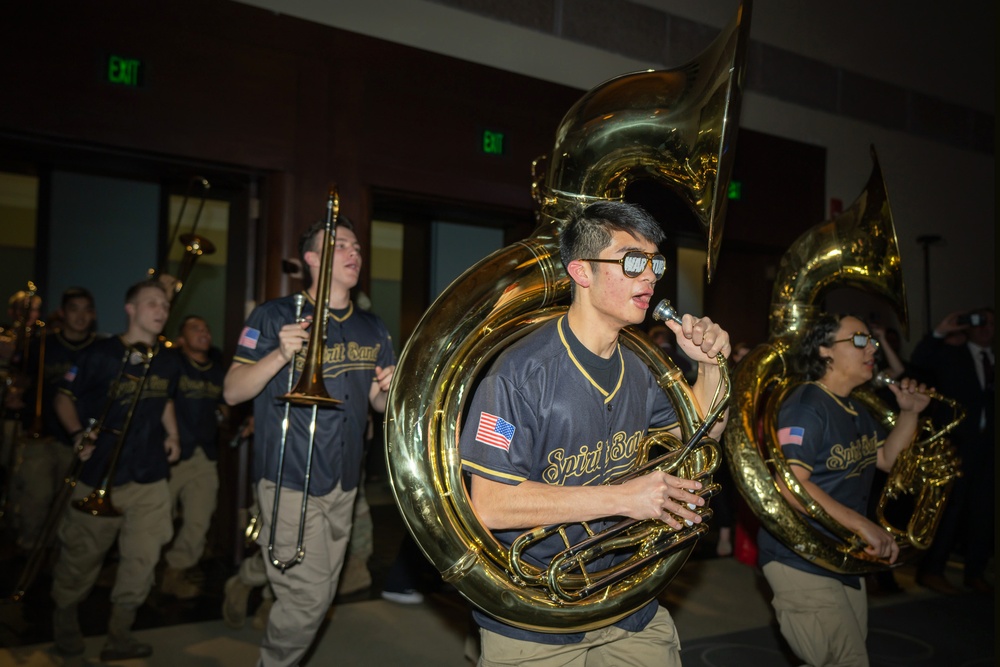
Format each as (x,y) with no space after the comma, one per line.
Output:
(493,473)
(801,464)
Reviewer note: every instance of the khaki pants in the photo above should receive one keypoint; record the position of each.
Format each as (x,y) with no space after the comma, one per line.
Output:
(824,621)
(142,530)
(39,474)
(253,570)
(303,592)
(194,484)
(656,644)
(362,543)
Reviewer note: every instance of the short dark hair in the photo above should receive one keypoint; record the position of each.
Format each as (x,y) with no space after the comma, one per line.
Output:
(308,240)
(76,293)
(820,333)
(589,230)
(133,291)
(188,318)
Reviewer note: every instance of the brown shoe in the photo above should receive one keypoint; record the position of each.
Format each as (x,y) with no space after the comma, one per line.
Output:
(979,585)
(176,583)
(937,583)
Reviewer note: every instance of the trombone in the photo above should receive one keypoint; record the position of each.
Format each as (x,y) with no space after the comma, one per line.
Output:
(97,503)
(22,331)
(195,245)
(310,389)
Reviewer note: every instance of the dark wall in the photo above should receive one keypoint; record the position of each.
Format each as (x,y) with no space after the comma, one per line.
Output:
(294,107)
(783,186)
(299,105)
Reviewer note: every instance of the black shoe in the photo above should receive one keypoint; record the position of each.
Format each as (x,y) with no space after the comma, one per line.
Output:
(126,651)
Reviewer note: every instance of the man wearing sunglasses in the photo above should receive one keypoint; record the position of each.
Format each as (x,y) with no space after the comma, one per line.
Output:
(562,411)
(834,445)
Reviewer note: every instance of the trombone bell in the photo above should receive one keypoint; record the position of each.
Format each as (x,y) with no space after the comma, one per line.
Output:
(97,503)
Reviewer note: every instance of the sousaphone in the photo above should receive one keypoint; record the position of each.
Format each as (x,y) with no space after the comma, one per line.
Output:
(675,127)
(857,249)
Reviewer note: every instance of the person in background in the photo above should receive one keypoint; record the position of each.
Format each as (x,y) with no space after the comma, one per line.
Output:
(106,380)
(194,480)
(24,307)
(46,453)
(964,372)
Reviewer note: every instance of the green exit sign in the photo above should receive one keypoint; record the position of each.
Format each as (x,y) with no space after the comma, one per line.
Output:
(493,142)
(123,71)
(735,190)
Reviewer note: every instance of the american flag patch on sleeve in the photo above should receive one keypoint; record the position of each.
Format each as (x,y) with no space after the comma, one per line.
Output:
(791,435)
(70,374)
(494,431)
(248,338)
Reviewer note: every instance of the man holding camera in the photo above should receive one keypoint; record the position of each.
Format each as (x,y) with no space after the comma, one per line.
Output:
(962,369)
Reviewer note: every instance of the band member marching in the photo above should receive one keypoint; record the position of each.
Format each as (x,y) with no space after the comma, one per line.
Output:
(357,363)
(125,380)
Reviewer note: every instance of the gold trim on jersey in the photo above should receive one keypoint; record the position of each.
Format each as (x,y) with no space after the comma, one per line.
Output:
(847,408)
(198,366)
(312,302)
(576,362)
(76,347)
(494,473)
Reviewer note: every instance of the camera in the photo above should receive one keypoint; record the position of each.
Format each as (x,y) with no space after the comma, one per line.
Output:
(971,319)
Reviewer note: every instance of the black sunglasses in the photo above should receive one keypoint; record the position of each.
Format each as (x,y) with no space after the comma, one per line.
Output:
(634,263)
(860,340)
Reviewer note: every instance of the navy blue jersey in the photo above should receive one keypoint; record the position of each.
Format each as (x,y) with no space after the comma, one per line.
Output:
(199,394)
(356,342)
(60,355)
(89,384)
(540,415)
(837,440)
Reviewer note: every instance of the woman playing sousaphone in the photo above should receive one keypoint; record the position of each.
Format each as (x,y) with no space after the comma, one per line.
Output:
(833,446)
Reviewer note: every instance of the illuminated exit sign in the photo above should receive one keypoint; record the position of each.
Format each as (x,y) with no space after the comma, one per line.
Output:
(493,142)
(123,71)
(735,190)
